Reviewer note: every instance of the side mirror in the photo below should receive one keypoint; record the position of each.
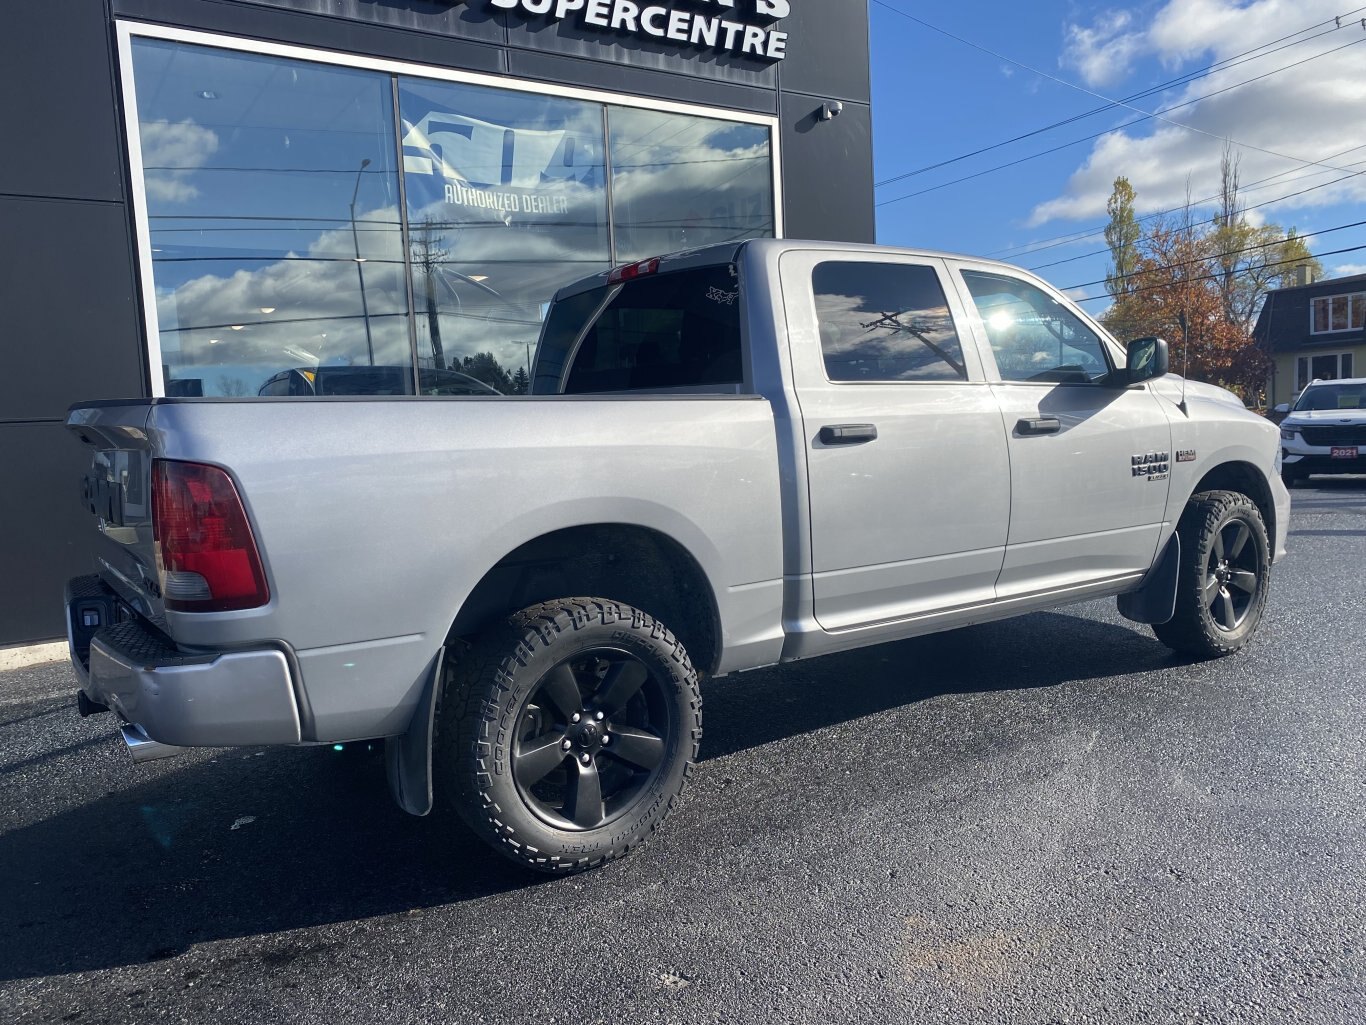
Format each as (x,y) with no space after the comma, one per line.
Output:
(1147,359)
(1283,408)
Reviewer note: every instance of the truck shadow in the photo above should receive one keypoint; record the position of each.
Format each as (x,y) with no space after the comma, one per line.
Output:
(246,843)
(750,709)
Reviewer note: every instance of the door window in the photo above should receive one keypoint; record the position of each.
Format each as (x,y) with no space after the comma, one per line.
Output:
(1032,335)
(885,322)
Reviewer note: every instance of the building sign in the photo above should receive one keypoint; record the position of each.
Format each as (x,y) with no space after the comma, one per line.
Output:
(729,26)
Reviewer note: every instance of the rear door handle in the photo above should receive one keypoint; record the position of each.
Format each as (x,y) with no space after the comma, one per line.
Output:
(848,434)
(1038,425)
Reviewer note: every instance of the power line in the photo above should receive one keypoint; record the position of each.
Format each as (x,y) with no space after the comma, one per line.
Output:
(1131,122)
(1211,277)
(1211,220)
(1100,96)
(1186,79)
(1231,252)
(1071,238)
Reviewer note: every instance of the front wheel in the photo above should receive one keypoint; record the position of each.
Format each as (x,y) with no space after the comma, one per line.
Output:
(1223,579)
(565,735)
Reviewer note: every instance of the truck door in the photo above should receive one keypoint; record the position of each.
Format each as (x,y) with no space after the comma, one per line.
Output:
(1089,462)
(907,470)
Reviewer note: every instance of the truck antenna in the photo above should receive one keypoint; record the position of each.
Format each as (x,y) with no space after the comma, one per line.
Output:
(1185,360)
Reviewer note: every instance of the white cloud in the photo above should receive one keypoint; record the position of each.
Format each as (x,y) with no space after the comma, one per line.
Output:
(1345,270)
(1310,112)
(1103,51)
(171,151)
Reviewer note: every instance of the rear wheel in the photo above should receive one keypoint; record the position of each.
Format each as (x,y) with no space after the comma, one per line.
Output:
(1223,579)
(565,736)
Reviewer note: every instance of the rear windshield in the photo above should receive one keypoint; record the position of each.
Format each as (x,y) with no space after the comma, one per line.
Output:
(673,330)
(1333,396)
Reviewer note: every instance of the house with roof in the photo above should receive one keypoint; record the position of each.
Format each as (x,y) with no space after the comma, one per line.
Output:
(1313,331)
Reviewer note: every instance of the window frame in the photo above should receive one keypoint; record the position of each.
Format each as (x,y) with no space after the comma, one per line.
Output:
(1306,359)
(1356,301)
(126,30)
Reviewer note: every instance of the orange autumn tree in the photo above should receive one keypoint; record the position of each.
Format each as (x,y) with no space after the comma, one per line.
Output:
(1173,290)
(1200,285)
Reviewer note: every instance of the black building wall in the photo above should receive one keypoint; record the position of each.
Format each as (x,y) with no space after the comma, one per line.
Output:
(72,327)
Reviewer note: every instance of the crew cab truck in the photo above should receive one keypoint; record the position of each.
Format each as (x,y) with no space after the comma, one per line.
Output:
(733,457)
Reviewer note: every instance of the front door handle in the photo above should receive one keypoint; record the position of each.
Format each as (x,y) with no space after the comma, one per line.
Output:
(1038,425)
(848,434)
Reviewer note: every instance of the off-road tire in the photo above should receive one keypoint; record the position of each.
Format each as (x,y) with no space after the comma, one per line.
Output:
(1196,629)
(483,706)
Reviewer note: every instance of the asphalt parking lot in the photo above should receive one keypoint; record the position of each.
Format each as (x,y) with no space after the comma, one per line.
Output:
(1044,820)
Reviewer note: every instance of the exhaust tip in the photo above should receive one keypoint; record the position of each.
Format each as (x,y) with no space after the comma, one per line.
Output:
(142,748)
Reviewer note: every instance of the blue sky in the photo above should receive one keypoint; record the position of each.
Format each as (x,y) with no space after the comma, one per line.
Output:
(935,98)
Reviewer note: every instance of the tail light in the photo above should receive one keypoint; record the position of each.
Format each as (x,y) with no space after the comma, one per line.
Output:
(208,553)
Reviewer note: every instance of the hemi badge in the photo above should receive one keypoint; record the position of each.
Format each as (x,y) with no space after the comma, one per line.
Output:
(1185,455)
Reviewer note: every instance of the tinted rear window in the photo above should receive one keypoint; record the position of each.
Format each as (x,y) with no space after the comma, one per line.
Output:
(678,330)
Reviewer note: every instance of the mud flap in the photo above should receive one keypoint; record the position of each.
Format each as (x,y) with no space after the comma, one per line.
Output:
(1155,599)
(408,757)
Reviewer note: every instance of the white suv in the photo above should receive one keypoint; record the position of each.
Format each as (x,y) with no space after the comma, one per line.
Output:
(1325,432)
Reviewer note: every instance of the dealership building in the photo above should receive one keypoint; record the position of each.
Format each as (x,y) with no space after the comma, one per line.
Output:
(249,198)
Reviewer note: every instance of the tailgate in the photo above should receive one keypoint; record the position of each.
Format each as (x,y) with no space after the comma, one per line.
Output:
(117,490)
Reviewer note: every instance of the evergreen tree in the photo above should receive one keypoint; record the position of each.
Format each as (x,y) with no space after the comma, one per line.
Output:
(521,384)
(483,366)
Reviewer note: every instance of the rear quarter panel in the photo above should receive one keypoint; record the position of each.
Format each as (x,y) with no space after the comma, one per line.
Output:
(377,518)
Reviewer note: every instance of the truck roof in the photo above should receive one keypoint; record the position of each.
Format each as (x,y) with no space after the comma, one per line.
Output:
(728,252)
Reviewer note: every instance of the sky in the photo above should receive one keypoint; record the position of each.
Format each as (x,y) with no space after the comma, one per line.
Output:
(1294,129)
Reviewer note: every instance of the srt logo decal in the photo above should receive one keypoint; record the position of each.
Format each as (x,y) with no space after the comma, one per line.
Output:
(1153,465)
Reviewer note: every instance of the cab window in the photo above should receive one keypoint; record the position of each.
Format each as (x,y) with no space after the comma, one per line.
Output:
(671,330)
(1032,335)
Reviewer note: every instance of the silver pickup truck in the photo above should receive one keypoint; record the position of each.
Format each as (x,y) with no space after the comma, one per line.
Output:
(732,457)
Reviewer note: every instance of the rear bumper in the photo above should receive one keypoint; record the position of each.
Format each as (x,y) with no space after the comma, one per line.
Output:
(184,699)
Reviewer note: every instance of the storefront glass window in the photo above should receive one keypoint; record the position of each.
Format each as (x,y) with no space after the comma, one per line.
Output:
(272,199)
(506,203)
(679,182)
(304,232)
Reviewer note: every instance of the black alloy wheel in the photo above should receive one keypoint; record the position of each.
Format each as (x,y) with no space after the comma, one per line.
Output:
(1232,574)
(564,735)
(1223,578)
(592,739)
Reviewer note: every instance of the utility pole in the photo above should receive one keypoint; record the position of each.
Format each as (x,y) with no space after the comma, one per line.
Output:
(360,270)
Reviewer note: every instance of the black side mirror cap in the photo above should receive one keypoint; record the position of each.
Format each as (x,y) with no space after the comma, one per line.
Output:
(1148,359)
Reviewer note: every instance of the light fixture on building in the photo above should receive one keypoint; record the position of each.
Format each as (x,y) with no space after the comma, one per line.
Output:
(358,259)
(236,327)
(479,277)
(213,341)
(207,94)
(267,309)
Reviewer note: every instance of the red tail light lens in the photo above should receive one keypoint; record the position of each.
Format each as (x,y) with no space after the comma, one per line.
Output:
(208,553)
